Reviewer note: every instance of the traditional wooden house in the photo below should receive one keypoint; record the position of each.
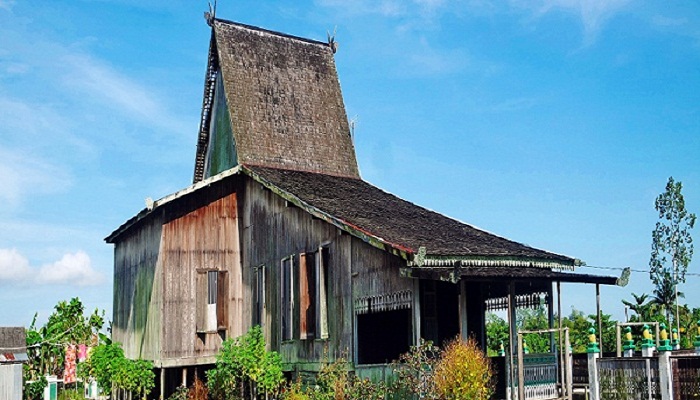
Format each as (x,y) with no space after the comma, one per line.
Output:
(279,230)
(13,353)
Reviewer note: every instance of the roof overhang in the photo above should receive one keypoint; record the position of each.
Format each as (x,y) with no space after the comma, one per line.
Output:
(504,273)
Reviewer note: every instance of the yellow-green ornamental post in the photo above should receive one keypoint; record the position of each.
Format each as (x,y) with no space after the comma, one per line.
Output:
(526,349)
(647,342)
(501,349)
(629,346)
(696,343)
(665,344)
(592,342)
(675,343)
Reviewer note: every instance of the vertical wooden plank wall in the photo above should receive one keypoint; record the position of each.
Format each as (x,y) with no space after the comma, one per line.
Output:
(206,237)
(137,291)
(272,230)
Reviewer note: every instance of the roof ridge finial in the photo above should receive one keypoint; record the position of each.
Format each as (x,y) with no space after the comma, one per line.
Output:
(331,40)
(210,15)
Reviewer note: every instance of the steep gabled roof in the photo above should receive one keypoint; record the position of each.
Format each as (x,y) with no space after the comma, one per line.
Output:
(385,219)
(284,100)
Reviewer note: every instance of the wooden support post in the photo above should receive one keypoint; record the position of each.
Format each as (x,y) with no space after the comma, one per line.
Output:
(569,365)
(618,337)
(521,368)
(416,315)
(600,323)
(184,377)
(561,356)
(550,317)
(162,383)
(512,336)
(463,326)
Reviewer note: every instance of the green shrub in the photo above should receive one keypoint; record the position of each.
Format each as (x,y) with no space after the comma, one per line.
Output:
(414,372)
(244,368)
(35,389)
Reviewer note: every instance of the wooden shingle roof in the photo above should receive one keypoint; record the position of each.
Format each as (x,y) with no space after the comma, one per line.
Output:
(284,99)
(403,225)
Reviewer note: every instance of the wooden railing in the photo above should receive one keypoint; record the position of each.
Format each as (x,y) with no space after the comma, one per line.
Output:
(633,378)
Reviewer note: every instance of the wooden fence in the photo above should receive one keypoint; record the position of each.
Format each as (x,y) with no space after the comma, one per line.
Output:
(686,377)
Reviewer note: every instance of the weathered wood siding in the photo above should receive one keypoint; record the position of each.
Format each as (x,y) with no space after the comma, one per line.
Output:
(376,272)
(204,238)
(138,291)
(272,230)
(11,381)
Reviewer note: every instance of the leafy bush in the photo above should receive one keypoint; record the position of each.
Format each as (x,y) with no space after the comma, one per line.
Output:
(414,371)
(35,389)
(244,368)
(463,372)
(113,371)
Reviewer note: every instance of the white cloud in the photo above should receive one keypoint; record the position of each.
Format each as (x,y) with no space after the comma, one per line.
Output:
(99,80)
(592,13)
(71,269)
(13,266)
(21,175)
(428,60)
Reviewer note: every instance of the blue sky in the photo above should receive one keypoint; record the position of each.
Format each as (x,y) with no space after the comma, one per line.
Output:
(555,123)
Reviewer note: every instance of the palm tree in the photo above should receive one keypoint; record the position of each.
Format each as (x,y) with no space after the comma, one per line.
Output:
(640,307)
(665,295)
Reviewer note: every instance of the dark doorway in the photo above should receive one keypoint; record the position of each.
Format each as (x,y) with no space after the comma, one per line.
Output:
(383,336)
(439,311)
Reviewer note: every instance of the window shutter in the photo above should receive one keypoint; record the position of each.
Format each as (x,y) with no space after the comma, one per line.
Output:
(322,309)
(303,296)
(222,300)
(201,294)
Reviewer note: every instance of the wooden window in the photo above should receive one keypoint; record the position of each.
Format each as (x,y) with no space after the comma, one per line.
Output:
(287,298)
(259,317)
(212,300)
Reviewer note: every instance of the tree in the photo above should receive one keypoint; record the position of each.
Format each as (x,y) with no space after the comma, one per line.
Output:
(244,369)
(496,333)
(640,306)
(68,324)
(672,244)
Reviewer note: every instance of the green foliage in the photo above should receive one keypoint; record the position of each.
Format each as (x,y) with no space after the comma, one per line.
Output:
(35,389)
(68,324)
(71,394)
(103,364)
(578,325)
(672,245)
(181,393)
(134,376)
(414,371)
(496,333)
(463,372)
(532,320)
(333,382)
(113,371)
(244,368)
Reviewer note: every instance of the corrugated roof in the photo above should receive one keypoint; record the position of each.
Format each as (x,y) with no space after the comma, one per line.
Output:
(284,99)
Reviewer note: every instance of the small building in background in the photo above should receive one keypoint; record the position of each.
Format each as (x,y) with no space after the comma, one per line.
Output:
(13,353)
